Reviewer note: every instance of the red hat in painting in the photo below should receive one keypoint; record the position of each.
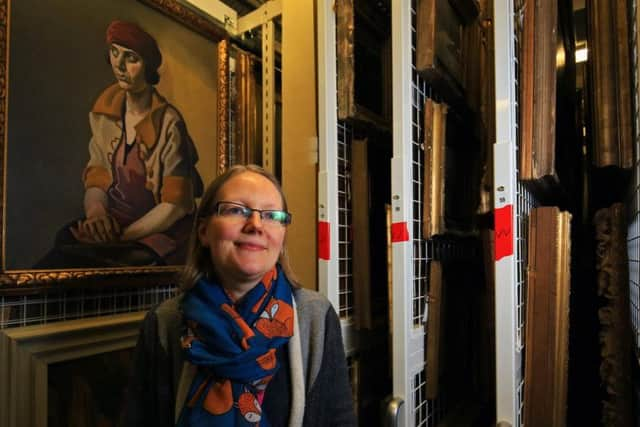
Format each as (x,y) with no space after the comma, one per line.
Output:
(135,38)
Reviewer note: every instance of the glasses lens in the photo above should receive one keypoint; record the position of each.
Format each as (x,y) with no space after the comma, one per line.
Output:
(281,217)
(233,210)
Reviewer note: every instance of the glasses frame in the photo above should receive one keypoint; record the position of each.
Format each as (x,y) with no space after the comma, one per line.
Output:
(247,212)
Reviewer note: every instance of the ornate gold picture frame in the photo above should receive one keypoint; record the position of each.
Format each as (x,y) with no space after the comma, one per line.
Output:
(54,64)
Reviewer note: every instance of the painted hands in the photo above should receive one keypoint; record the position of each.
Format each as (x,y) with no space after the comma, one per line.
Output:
(98,229)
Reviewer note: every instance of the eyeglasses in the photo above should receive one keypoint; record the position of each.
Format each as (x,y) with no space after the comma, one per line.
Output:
(238,211)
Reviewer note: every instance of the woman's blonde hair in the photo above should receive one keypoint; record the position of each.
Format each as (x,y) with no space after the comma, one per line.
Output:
(199,262)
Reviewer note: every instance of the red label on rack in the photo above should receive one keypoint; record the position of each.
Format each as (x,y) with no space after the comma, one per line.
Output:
(504,231)
(399,232)
(324,240)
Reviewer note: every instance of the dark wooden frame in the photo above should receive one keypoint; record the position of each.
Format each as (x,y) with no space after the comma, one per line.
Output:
(20,281)
(359,23)
(547,317)
(27,352)
(435,153)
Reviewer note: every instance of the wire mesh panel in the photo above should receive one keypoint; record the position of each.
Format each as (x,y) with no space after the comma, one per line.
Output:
(345,243)
(421,254)
(427,412)
(525,202)
(420,405)
(633,231)
(633,253)
(633,248)
(16,311)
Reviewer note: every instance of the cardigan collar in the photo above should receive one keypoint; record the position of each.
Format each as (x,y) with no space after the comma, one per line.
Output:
(111,103)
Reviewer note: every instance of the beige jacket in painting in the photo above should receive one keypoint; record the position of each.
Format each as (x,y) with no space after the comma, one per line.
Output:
(165,147)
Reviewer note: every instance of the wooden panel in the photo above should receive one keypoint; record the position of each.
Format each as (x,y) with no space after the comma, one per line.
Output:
(608,37)
(434,168)
(434,330)
(468,10)
(360,231)
(544,89)
(247,135)
(547,319)
(624,83)
(487,107)
(478,81)
(615,334)
(538,92)
(526,89)
(26,353)
(439,47)
(472,71)
(426,34)
(363,62)
(345,16)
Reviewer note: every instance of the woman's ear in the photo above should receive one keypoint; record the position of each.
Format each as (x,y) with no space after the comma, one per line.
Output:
(202,234)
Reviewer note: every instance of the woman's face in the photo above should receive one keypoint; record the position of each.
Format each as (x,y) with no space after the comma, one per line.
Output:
(128,68)
(243,250)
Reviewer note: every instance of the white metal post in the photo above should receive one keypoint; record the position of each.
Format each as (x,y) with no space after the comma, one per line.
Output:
(265,13)
(508,352)
(328,268)
(216,11)
(328,153)
(407,341)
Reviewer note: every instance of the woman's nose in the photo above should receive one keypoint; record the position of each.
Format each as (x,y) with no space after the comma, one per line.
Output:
(119,63)
(254,221)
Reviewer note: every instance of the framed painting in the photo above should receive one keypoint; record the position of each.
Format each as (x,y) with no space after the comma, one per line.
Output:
(240,97)
(109,130)
(67,373)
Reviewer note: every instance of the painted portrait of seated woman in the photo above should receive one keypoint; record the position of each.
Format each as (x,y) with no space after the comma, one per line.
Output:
(140,180)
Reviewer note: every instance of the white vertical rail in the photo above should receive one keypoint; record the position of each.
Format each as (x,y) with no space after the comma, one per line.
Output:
(508,354)
(328,267)
(407,340)
(328,151)
(268,96)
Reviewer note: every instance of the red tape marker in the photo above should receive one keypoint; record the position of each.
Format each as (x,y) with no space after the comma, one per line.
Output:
(399,232)
(324,240)
(504,231)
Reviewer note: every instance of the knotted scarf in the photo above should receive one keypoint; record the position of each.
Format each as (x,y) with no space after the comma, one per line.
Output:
(234,347)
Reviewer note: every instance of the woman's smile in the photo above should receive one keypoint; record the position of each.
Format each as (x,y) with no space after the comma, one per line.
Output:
(250,246)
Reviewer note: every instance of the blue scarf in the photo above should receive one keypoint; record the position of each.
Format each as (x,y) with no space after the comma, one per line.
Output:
(234,346)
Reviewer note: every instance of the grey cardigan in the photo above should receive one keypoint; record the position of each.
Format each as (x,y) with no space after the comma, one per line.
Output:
(311,388)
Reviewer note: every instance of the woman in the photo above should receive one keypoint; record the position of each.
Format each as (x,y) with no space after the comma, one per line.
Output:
(140,181)
(242,344)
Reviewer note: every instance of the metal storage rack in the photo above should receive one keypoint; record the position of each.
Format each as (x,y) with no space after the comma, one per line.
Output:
(633,230)
(334,211)
(411,253)
(59,305)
